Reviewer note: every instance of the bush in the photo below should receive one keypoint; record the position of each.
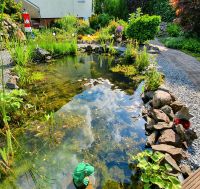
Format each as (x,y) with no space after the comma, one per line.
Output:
(143,28)
(174,30)
(84,28)
(188,13)
(104,35)
(153,79)
(189,44)
(142,60)
(98,21)
(67,23)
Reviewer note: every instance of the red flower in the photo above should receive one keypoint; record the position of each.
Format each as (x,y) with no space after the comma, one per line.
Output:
(184,122)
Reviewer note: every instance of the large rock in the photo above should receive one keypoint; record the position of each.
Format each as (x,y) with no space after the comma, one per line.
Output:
(176,106)
(168,111)
(185,169)
(172,162)
(161,98)
(151,140)
(160,116)
(168,136)
(41,54)
(12,83)
(147,96)
(176,153)
(163,125)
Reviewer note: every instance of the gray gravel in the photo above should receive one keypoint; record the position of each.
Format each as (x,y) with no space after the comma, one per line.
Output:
(178,81)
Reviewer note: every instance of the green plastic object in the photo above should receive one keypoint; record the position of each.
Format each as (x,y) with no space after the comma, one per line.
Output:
(81,174)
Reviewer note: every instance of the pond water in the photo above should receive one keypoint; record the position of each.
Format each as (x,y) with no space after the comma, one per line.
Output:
(97,119)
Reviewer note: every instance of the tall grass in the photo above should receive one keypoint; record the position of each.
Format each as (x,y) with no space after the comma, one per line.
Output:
(142,60)
(60,48)
(131,52)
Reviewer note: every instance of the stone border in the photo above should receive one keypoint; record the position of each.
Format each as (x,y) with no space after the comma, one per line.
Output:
(168,127)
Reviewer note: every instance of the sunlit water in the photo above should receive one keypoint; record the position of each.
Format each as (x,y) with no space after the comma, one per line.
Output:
(101,124)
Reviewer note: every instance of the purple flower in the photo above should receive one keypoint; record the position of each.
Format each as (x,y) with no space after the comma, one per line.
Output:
(119,29)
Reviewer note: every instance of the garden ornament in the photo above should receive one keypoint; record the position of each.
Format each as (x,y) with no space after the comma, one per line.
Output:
(81,175)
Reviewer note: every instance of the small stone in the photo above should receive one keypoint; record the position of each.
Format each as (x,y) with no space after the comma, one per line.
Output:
(161,98)
(168,136)
(149,124)
(160,116)
(172,162)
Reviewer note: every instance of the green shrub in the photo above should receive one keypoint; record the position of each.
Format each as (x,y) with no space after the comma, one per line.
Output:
(189,44)
(173,30)
(151,171)
(67,23)
(153,79)
(84,28)
(98,21)
(104,35)
(143,28)
(142,60)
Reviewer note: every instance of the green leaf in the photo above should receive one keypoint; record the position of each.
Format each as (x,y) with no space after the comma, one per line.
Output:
(168,167)
(145,178)
(147,186)
(158,181)
(157,156)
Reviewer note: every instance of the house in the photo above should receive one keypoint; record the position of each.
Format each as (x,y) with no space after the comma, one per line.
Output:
(45,11)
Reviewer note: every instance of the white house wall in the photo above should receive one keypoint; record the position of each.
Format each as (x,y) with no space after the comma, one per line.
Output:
(60,8)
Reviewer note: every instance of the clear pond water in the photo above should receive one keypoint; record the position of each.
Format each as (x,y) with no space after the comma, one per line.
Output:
(97,119)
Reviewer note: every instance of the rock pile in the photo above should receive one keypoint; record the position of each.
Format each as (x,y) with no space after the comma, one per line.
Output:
(167,126)
(11,29)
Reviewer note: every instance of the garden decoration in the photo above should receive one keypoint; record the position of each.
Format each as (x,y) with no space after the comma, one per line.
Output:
(81,175)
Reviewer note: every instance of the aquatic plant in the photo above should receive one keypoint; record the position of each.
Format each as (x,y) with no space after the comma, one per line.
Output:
(152,172)
(111,48)
(131,52)
(127,70)
(142,60)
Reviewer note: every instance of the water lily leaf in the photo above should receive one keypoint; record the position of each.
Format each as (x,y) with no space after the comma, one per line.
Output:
(145,178)
(158,181)
(157,156)
(142,163)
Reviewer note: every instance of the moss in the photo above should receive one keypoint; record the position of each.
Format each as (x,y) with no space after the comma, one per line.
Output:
(127,70)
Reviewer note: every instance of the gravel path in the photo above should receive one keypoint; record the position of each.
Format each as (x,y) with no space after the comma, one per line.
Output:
(182,74)
(7,64)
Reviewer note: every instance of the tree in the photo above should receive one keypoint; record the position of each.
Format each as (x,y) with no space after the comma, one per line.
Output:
(188,14)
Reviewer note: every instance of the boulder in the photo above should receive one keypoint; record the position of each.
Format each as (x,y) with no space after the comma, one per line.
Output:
(176,153)
(172,162)
(20,35)
(149,124)
(151,140)
(41,54)
(168,111)
(161,98)
(176,106)
(168,136)
(163,125)
(184,113)
(160,116)
(190,135)
(12,83)
(147,96)
(185,169)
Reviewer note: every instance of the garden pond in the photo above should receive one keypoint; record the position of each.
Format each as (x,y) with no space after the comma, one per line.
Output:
(96,118)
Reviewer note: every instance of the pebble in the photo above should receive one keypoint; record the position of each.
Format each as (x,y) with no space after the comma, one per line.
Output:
(176,80)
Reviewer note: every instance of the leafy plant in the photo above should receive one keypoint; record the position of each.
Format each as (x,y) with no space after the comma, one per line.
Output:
(153,172)
(174,30)
(153,78)
(84,28)
(143,28)
(104,35)
(142,60)
(111,49)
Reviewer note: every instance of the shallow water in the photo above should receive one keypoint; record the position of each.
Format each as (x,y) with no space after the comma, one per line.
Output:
(97,119)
